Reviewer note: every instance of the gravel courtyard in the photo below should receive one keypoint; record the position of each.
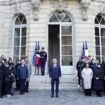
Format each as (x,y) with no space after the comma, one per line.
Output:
(37,97)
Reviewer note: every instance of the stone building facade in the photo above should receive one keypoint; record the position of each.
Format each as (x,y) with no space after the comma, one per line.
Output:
(60,26)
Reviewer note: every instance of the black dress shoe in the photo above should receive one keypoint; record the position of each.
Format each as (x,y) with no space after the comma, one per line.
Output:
(52,96)
(1,96)
(57,96)
(27,91)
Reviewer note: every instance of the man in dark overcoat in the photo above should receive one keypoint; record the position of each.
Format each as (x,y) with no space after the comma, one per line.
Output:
(98,76)
(16,68)
(1,77)
(103,66)
(54,74)
(22,75)
(79,69)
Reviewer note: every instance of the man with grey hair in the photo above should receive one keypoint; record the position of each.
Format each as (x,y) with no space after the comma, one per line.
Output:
(28,64)
(54,74)
(22,76)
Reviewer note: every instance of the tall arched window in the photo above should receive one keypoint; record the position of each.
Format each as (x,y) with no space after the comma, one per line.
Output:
(100,36)
(19,42)
(61,40)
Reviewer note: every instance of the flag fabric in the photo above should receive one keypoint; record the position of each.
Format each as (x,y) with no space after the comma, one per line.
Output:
(34,55)
(38,46)
(83,51)
(86,50)
(38,54)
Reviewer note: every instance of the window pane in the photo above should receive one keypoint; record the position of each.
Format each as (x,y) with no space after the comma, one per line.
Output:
(23,57)
(23,43)
(17,32)
(67,30)
(17,22)
(23,51)
(21,18)
(24,31)
(99,17)
(24,21)
(97,50)
(103,57)
(103,32)
(16,50)
(103,50)
(17,42)
(103,41)
(103,21)
(60,16)
(15,59)
(66,40)
(67,60)
(98,58)
(96,21)
(97,41)
(66,19)
(66,50)
(54,19)
(97,31)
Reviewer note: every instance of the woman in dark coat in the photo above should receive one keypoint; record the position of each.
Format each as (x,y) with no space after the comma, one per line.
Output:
(9,77)
(103,66)
(1,78)
(16,68)
(93,66)
(78,66)
(98,76)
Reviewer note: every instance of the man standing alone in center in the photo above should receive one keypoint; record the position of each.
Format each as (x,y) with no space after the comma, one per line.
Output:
(54,74)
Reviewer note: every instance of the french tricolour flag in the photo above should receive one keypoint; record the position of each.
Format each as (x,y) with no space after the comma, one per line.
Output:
(85,53)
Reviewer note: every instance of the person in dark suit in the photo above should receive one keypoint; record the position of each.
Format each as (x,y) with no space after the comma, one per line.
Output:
(22,75)
(78,66)
(43,59)
(1,77)
(54,74)
(103,66)
(16,68)
(9,77)
(98,76)
(28,64)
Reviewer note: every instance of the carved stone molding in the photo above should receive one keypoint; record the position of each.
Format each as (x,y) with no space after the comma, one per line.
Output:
(101,1)
(35,7)
(60,5)
(102,8)
(17,7)
(85,5)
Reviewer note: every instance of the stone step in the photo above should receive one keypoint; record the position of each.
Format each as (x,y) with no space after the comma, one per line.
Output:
(67,82)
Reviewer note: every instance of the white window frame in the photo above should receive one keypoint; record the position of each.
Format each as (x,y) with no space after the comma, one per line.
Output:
(69,68)
(99,26)
(20,26)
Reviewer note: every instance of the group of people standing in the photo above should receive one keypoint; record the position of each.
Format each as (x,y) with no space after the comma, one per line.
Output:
(9,73)
(91,76)
(90,72)
(40,61)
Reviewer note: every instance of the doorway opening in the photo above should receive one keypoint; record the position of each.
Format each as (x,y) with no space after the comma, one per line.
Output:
(54,43)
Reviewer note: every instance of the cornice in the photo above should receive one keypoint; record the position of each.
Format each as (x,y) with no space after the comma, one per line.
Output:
(11,2)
